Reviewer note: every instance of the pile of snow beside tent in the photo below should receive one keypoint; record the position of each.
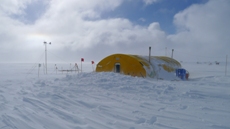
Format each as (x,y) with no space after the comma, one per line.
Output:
(157,71)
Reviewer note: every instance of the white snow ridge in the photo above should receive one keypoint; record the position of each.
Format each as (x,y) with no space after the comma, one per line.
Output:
(92,100)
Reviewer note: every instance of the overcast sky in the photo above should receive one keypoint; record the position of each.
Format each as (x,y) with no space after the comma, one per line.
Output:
(197,30)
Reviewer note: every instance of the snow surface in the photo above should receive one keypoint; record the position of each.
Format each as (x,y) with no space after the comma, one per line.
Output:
(92,100)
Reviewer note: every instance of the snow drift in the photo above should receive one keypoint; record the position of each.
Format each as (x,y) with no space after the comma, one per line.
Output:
(112,101)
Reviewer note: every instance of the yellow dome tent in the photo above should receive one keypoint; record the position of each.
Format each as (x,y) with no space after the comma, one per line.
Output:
(140,66)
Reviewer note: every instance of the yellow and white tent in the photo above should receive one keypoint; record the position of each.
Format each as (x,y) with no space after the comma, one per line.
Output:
(141,66)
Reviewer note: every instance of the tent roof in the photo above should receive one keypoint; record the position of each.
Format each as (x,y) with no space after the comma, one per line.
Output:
(144,59)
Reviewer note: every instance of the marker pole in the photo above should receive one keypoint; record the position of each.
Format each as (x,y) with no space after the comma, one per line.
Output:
(226,66)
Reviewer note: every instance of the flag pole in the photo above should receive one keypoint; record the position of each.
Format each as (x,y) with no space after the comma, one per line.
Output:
(82,60)
(92,65)
(39,65)
(75,67)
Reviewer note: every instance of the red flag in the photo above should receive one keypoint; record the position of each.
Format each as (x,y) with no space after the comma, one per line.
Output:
(82,59)
(92,62)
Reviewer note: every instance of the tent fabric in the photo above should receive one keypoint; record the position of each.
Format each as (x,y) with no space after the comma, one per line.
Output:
(136,65)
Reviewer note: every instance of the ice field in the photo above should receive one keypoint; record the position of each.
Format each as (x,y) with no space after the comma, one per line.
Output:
(90,100)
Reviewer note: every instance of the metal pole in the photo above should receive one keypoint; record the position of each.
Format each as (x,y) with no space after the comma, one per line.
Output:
(172,53)
(92,67)
(226,65)
(70,68)
(38,69)
(56,68)
(44,67)
(149,53)
(45,56)
(165,51)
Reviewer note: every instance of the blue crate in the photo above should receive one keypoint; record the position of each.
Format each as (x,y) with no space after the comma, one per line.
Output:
(181,73)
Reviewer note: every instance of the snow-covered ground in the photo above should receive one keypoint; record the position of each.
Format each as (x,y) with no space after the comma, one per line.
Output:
(91,100)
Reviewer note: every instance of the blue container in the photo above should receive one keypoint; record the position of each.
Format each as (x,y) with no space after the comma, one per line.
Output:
(181,73)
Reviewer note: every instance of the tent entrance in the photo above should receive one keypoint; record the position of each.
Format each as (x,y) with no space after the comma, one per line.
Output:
(117,68)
